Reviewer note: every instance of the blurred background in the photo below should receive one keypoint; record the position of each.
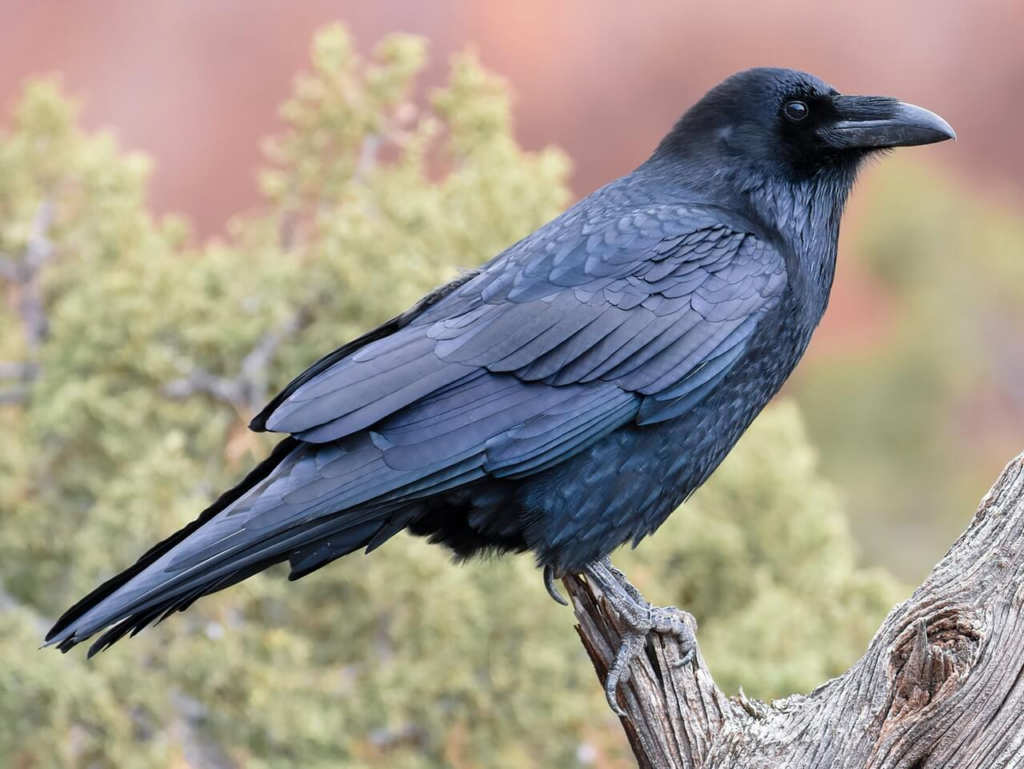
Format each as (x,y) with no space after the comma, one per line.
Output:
(171,193)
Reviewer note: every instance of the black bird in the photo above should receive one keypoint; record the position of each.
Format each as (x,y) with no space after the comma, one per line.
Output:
(569,394)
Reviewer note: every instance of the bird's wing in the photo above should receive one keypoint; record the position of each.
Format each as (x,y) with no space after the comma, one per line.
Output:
(659,302)
(311,504)
(259,422)
(589,325)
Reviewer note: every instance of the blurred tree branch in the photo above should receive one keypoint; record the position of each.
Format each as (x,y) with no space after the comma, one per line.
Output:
(942,683)
(248,390)
(24,274)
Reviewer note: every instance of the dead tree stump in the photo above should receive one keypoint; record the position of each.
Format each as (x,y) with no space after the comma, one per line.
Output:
(940,687)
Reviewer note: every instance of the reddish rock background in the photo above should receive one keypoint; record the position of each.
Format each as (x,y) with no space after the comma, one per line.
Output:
(195,83)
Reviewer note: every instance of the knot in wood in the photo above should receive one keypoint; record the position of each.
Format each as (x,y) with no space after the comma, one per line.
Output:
(935,654)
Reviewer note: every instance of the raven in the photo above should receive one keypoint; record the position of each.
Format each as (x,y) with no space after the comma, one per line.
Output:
(569,394)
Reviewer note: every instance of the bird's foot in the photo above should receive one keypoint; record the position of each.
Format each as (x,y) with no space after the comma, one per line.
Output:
(639,619)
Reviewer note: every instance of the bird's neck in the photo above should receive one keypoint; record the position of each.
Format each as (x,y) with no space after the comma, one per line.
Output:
(803,215)
(806,215)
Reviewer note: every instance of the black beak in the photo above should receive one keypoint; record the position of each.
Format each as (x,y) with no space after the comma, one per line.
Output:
(878,122)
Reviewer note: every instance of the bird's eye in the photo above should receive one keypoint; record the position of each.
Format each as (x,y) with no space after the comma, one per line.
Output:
(795,110)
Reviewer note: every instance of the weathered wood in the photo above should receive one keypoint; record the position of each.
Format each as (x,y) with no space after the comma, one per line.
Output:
(941,685)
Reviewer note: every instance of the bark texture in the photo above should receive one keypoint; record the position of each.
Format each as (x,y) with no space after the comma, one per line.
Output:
(941,685)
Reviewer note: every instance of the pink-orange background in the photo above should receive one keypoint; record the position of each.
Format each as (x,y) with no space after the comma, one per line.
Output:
(196,83)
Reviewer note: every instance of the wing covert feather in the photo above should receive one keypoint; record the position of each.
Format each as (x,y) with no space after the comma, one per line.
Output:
(659,303)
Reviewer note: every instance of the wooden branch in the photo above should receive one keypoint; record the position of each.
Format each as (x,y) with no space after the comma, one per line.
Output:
(24,276)
(247,391)
(17,371)
(14,395)
(256,365)
(230,391)
(941,685)
(9,268)
(38,250)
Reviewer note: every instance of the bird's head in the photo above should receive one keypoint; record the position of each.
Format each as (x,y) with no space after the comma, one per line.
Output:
(792,125)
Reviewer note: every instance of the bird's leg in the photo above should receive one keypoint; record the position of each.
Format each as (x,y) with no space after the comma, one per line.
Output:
(639,618)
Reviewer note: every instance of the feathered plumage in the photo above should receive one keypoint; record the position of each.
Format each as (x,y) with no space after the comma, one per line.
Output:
(565,397)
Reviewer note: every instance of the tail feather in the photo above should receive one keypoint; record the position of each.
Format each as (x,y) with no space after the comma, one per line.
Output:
(315,555)
(128,614)
(58,633)
(156,587)
(138,619)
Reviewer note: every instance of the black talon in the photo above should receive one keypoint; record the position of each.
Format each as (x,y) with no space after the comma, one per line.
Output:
(552,587)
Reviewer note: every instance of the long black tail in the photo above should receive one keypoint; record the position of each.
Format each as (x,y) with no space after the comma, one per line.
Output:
(217,550)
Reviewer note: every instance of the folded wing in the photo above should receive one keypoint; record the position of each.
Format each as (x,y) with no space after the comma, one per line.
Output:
(592,323)
(660,303)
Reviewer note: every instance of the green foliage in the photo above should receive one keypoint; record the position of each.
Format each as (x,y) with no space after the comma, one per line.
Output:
(917,423)
(399,660)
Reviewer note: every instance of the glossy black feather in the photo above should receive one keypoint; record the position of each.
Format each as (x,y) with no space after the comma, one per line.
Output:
(282,450)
